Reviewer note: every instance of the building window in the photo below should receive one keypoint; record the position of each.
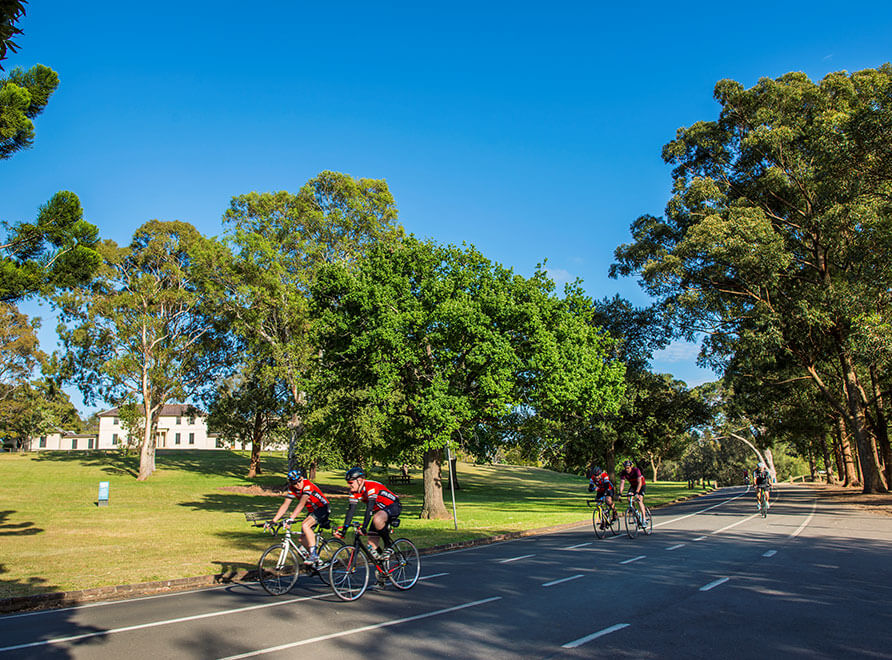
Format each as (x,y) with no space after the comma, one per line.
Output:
(176,439)
(114,439)
(191,438)
(219,443)
(178,421)
(114,421)
(89,443)
(43,442)
(191,420)
(74,443)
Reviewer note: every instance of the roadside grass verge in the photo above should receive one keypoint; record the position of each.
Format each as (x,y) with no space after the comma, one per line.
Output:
(184,521)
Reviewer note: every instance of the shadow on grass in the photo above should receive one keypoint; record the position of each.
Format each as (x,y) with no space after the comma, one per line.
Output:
(16,529)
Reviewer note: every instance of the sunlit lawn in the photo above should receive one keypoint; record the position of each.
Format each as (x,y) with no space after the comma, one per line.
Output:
(182,523)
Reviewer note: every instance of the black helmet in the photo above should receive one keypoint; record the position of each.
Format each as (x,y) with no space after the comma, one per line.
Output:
(596,471)
(354,473)
(627,463)
(295,475)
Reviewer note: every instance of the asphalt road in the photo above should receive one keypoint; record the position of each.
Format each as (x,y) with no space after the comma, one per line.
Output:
(713,580)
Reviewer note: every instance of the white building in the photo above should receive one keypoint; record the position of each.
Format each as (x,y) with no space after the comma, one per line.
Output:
(179,427)
(63,440)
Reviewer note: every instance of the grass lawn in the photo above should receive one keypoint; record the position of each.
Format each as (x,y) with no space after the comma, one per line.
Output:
(183,522)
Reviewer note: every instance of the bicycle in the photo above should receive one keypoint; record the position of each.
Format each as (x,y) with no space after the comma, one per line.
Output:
(349,567)
(279,567)
(604,517)
(632,517)
(763,501)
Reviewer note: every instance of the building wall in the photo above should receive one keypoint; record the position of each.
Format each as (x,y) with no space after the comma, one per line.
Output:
(173,432)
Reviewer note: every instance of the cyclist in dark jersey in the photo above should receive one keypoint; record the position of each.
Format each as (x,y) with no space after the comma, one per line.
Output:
(762,484)
(382,506)
(635,477)
(310,496)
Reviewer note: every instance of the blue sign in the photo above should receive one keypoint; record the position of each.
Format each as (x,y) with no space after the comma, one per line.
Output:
(103,493)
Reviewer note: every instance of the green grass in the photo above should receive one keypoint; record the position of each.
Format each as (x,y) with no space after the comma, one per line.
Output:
(182,523)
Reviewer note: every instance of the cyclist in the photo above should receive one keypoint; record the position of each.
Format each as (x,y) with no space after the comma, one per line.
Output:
(599,483)
(310,496)
(635,477)
(762,484)
(382,507)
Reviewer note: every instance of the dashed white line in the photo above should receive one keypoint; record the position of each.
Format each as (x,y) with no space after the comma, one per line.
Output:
(566,579)
(593,636)
(806,521)
(675,547)
(714,584)
(666,522)
(770,553)
(629,561)
(354,631)
(505,561)
(431,577)
(579,545)
(739,522)
(699,538)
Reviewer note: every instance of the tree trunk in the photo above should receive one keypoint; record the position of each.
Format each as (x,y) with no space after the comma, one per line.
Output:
(433,507)
(825,454)
(882,426)
(850,477)
(147,447)
(610,460)
(256,441)
(453,465)
(857,420)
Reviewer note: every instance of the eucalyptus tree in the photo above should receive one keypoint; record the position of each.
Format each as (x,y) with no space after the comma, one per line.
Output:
(777,233)
(276,243)
(20,353)
(143,333)
(423,344)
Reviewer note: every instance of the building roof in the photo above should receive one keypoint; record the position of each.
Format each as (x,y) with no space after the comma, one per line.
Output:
(168,410)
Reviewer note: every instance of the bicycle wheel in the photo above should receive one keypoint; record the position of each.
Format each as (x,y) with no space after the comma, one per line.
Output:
(631,520)
(348,573)
(278,568)
(404,565)
(649,527)
(599,520)
(763,505)
(615,522)
(326,551)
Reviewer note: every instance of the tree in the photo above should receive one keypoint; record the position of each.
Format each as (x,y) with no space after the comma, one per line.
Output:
(58,251)
(423,344)
(143,333)
(776,239)
(10,12)
(279,241)
(19,351)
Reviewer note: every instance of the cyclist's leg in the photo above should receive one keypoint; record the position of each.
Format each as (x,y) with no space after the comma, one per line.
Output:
(640,498)
(377,523)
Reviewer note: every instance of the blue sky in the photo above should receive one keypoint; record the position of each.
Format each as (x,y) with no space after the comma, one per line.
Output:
(531,131)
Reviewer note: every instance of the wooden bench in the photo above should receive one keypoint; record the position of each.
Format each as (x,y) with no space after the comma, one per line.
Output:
(400,479)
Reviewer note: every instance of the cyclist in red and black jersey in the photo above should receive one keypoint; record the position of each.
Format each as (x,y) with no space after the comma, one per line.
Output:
(599,483)
(310,496)
(382,506)
(635,477)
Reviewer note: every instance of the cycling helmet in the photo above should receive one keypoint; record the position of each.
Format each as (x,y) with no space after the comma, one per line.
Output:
(294,475)
(354,473)
(597,471)
(627,463)
(761,465)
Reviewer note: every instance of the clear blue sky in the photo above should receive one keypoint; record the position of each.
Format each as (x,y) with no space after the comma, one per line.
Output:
(531,131)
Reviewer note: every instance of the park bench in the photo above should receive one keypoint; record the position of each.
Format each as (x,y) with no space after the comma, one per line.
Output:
(399,479)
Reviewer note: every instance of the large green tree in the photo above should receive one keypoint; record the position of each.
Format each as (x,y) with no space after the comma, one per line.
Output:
(777,237)
(143,333)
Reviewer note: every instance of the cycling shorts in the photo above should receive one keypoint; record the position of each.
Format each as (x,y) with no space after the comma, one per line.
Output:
(321,515)
(393,511)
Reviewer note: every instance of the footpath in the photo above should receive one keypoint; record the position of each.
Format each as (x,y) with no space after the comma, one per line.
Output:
(61,599)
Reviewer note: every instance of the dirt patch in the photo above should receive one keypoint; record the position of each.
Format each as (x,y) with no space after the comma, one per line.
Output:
(877,502)
(332,492)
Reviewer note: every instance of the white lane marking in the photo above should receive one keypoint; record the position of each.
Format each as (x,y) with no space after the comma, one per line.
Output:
(697,513)
(153,624)
(806,521)
(579,545)
(629,561)
(431,577)
(770,553)
(354,631)
(566,579)
(699,538)
(588,638)
(714,584)
(675,547)
(505,561)
(739,522)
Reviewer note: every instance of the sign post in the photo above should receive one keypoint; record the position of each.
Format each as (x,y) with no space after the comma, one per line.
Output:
(103,494)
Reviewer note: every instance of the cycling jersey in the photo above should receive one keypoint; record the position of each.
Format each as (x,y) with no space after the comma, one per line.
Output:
(762,478)
(315,498)
(634,476)
(377,498)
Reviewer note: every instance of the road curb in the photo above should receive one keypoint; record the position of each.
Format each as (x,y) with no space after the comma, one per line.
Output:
(60,599)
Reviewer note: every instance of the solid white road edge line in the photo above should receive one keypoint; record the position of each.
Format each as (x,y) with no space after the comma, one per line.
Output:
(714,584)
(588,638)
(566,579)
(505,561)
(354,631)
